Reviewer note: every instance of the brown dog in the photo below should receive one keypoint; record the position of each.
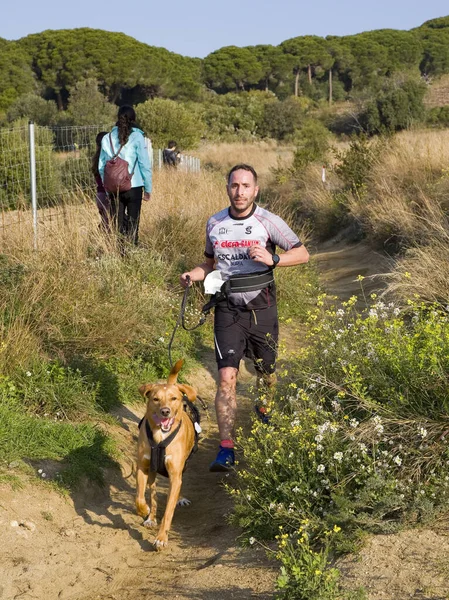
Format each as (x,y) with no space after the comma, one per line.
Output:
(165,421)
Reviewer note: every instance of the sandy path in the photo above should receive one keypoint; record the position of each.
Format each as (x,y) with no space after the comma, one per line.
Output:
(92,545)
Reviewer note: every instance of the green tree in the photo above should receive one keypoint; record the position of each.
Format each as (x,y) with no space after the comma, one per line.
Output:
(16,76)
(370,60)
(435,57)
(275,65)
(164,120)
(396,107)
(35,108)
(231,68)
(309,51)
(88,106)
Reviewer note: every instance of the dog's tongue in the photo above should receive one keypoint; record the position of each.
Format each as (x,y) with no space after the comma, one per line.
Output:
(165,423)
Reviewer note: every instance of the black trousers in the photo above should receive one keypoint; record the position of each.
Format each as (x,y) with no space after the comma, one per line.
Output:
(125,213)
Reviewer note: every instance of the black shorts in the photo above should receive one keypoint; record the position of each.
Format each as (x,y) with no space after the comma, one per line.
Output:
(240,333)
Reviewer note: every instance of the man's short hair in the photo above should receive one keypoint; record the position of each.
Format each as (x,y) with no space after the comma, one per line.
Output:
(243,167)
(171,144)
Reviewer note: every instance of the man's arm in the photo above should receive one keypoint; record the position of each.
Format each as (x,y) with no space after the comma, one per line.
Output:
(294,256)
(198,273)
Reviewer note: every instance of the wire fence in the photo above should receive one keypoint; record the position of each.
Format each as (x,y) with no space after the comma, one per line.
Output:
(42,169)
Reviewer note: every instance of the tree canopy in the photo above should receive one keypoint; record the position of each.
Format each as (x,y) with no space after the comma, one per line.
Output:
(52,64)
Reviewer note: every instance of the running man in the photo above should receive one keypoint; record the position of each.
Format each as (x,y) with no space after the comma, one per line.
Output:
(241,243)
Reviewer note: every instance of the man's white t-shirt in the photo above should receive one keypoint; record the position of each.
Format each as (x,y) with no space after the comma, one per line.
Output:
(228,240)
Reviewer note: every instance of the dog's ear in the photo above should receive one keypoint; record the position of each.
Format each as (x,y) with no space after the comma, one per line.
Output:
(145,389)
(188,390)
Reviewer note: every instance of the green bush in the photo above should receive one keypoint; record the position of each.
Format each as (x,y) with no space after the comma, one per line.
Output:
(439,116)
(15,187)
(312,144)
(355,164)
(164,120)
(34,108)
(396,107)
(357,441)
(283,119)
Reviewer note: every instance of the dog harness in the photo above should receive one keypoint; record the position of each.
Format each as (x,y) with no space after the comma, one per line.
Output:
(157,459)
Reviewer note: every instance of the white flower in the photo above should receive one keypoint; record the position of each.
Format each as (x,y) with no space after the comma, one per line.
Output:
(269,461)
(28,373)
(295,489)
(319,447)
(161,339)
(354,423)
(248,496)
(320,469)
(338,456)
(397,460)
(363,448)
(252,540)
(422,432)
(272,505)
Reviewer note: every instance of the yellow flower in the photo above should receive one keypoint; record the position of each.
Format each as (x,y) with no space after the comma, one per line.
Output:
(337,528)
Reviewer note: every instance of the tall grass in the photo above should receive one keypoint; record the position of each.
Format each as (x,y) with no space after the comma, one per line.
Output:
(263,156)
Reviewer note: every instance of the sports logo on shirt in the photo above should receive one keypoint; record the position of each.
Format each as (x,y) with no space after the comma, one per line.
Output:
(236,243)
(248,229)
(223,231)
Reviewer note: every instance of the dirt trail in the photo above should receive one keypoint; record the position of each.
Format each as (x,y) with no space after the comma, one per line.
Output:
(92,546)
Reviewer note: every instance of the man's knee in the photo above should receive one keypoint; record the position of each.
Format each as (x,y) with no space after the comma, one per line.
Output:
(227,379)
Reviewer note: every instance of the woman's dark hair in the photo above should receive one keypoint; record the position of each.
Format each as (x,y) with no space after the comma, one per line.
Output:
(125,122)
(96,156)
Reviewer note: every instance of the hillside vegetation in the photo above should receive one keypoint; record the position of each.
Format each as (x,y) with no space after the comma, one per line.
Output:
(265,91)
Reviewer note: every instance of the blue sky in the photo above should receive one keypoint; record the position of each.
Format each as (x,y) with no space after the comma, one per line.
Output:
(197,27)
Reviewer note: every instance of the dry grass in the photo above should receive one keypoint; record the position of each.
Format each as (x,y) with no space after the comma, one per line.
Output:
(263,156)
(77,292)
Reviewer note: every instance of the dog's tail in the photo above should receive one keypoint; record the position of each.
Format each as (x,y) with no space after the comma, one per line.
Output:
(173,377)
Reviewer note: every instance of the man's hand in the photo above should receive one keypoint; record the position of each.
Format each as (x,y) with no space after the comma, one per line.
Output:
(185,280)
(147,196)
(259,254)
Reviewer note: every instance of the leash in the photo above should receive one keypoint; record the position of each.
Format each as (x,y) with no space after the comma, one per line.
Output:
(181,320)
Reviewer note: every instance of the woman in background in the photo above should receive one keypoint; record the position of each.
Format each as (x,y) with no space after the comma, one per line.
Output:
(127,141)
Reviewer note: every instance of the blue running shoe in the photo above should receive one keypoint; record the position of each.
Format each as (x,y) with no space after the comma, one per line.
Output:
(224,461)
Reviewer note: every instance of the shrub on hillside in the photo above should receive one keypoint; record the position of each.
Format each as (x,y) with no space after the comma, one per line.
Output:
(164,120)
(438,116)
(88,106)
(394,108)
(283,119)
(312,144)
(34,108)
(354,164)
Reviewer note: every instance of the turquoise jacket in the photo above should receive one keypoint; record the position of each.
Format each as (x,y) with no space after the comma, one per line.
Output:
(134,152)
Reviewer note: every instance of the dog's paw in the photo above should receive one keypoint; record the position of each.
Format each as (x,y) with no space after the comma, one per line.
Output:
(183,502)
(149,522)
(160,544)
